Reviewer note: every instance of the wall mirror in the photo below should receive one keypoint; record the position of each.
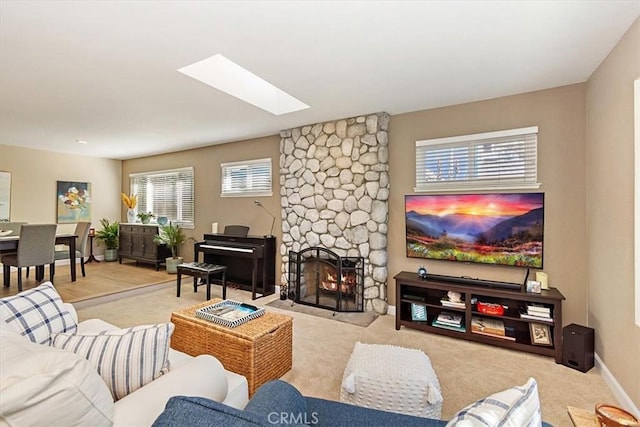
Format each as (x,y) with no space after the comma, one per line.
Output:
(5,195)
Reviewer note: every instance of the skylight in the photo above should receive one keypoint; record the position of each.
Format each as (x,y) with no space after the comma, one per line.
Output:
(231,78)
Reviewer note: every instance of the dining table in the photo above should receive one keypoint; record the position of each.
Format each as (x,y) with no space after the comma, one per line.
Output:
(10,244)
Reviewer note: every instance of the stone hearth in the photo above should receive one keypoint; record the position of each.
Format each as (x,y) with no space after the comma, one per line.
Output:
(334,188)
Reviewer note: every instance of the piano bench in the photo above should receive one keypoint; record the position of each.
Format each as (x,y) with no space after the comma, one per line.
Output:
(204,271)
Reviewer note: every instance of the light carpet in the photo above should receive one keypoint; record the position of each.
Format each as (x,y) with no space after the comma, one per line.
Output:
(321,347)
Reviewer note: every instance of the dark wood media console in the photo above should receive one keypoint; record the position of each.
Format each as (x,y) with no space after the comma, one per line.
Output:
(429,293)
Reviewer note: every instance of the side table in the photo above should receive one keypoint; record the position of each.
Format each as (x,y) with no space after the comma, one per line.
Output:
(91,257)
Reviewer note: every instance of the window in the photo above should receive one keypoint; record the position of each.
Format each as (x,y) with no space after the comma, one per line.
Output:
(247,178)
(166,193)
(485,161)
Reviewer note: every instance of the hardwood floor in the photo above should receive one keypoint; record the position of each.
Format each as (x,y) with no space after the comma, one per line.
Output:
(104,278)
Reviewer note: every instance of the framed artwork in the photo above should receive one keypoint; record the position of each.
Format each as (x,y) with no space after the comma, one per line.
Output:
(73,201)
(534,286)
(540,334)
(418,312)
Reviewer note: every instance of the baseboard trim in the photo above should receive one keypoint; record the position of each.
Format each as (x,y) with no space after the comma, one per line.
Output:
(623,398)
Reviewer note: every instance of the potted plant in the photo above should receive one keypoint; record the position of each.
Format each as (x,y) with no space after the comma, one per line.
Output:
(108,237)
(145,217)
(172,236)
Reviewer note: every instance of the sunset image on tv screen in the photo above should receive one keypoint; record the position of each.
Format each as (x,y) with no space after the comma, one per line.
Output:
(503,229)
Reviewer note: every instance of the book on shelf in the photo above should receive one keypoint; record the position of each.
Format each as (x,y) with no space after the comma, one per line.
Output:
(448,326)
(487,325)
(537,314)
(539,309)
(543,319)
(448,318)
(458,304)
(488,334)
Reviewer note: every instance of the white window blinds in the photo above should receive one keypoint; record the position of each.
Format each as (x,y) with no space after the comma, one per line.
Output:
(487,161)
(246,178)
(167,193)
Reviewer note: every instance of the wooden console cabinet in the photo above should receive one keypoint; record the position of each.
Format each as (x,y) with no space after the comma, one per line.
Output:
(136,242)
(410,289)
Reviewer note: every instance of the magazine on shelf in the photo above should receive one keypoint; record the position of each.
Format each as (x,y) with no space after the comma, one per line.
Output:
(437,324)
(454,319)
(229,313)
(487,326)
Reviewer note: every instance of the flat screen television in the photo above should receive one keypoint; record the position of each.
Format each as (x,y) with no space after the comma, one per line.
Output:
(499,229)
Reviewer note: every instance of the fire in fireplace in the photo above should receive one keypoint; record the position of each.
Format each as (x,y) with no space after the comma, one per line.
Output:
(321,278)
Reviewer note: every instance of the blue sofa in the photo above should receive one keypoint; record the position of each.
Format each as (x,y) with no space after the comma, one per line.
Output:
(279,403)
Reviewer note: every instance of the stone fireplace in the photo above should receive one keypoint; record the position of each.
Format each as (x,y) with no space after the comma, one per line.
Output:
(321,278)
(334,188)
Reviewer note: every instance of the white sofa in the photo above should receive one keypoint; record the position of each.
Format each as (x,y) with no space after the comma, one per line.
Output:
(202,376)
(41,385)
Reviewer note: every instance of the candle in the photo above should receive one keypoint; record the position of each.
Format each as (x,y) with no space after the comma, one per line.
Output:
(543,278)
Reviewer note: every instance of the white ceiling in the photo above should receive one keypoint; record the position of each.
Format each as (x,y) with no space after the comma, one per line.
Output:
(105,71)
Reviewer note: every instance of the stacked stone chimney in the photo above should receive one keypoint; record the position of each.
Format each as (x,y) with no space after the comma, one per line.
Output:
(334,188)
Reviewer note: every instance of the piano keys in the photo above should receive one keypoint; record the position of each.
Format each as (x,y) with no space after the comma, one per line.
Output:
(250,261)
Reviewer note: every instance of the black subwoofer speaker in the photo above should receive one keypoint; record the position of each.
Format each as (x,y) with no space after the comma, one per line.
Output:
(577,347)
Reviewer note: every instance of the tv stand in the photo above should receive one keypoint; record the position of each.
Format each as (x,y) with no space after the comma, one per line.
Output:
(431,294)
(470,281)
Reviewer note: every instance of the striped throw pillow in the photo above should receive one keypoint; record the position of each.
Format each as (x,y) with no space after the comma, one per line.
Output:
(515,407)
(37,313)
(126,359)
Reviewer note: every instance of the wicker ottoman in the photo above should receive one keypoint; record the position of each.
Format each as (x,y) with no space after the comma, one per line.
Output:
(393,379)
(261,349)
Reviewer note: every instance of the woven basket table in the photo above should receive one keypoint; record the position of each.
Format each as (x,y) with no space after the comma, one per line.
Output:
(260,349)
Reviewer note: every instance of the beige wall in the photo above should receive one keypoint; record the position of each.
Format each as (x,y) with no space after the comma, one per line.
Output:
(210,207)
(560,115)
(33,184)
(610,210)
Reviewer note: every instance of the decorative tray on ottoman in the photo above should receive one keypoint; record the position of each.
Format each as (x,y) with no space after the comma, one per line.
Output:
(229,313)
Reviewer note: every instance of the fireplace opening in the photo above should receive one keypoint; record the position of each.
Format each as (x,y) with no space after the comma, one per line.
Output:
(322,278)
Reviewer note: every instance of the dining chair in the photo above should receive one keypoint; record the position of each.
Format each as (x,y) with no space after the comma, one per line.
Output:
(36,247)
(236,230)
(62,251)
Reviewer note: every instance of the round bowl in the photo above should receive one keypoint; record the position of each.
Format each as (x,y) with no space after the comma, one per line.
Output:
(5,232)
